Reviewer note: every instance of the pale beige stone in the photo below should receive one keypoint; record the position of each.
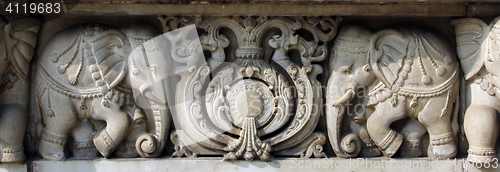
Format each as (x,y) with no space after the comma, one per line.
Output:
(478,49)
(82,88)
(289,165)
(226,104)
(17,42)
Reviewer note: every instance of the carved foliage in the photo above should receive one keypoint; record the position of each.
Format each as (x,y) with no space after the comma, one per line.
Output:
(248,99)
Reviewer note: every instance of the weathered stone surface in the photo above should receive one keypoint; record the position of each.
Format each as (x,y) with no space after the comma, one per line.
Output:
(289,165)
(14,167)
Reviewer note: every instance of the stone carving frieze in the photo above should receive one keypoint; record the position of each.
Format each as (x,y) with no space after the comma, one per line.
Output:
(245,104)
(248,88)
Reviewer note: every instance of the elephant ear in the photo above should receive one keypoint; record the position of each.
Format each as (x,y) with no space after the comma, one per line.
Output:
(387,51)
(20,40)
(470,34)
(110,48)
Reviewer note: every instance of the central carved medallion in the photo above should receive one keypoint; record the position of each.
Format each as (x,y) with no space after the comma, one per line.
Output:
(254,106)
(249,98)
(245,94)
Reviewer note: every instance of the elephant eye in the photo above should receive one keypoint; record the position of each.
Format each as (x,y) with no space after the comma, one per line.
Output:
(346,69)
(349,70)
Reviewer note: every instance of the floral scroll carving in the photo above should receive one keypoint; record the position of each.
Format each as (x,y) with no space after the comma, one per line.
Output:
(248,99)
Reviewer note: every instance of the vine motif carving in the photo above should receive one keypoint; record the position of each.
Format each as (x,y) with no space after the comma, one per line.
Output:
(228,103)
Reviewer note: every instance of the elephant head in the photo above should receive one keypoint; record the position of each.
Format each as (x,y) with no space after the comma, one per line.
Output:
(356,50)
(360,57)
(478,47)
(146,76)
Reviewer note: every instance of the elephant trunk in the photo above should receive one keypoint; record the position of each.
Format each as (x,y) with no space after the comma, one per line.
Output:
(152,143)
(350,145)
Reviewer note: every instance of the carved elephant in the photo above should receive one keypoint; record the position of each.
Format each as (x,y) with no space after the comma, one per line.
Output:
(478,47)
(82,84)
(17,42)
(394,74)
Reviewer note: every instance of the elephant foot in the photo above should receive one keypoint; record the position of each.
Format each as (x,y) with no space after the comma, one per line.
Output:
(442,147)
(13,155)
(410,149)
(370,152)
(103,142)
(391,143)
(127,150)
(370,149)
(84,150)
(481,155)
(443,151)
(51,146)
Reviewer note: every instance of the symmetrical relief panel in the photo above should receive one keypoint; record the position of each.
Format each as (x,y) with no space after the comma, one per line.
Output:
(248,88)
(406,75)
(248,100)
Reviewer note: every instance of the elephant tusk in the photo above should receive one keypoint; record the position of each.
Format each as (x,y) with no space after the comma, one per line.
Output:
(145,90)
(349,95)
(153,98)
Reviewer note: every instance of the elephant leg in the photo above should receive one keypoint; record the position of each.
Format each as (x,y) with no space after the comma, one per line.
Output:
(412,132)
(83,147)
(435,116)
(13,119)
(14,104)
(369,148)
(118,123)
(481,129)
(139,127)
(378,126)
(59,117)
